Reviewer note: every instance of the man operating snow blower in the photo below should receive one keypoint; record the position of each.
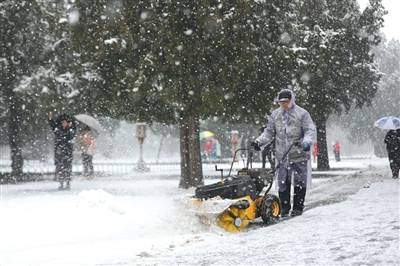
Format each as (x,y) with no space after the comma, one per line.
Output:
(290,124)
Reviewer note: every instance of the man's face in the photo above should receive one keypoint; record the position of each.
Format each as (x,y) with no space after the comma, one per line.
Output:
(285,105)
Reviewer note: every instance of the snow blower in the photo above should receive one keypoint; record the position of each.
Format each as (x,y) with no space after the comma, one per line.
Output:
(240,198)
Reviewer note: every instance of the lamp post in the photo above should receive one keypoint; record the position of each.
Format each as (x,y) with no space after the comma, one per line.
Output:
(234,141)
(141,135)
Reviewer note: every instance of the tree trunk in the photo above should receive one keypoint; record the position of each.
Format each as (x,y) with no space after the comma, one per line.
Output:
(17,161)
(323,159)
(191,167)
(184,150)
(196,170)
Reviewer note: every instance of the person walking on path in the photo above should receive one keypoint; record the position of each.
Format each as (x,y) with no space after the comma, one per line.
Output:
(392,140)
(336,150)
(208,148)
(64,130)
(87,145)
(315,152)
(290,124)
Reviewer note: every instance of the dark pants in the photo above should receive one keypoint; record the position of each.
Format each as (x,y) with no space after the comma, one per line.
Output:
(299,173)
(337,156)
(87,160)
(64,171)
(63,162)
(298,199)
(394,160)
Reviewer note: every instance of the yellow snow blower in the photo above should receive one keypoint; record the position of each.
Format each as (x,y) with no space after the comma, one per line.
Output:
(238,199)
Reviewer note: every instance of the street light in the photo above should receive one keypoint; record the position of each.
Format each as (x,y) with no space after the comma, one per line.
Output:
(141,135)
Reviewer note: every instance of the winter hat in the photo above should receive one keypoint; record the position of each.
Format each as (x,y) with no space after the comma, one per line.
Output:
(284,95)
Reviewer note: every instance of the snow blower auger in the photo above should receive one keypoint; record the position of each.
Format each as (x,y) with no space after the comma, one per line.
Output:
(245,192)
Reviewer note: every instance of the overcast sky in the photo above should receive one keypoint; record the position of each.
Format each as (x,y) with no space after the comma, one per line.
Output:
(391,27)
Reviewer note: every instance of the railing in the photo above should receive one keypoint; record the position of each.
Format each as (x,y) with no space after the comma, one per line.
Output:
(110,167)
(159,168)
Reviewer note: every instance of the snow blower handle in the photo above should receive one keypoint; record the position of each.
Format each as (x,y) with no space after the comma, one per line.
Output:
(286,153)
(234,158)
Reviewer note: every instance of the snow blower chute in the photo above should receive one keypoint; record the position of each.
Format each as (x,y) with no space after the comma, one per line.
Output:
(244,194)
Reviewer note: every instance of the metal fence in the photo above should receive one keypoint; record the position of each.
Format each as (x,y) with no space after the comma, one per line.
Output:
(121,168)
(115,168)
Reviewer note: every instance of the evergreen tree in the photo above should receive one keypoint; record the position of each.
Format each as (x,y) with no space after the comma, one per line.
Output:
(178,62)
(335,60)
(21,51)
(213,58)
(265,64)
(385,103)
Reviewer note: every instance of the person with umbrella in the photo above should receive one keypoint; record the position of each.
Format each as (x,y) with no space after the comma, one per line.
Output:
(87,145)
(392,140)
(64,130)
(86,141)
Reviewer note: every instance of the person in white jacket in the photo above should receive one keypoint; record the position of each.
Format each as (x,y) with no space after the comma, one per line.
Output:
(290,126)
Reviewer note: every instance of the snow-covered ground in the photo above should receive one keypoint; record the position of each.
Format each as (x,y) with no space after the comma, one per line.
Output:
(138,220)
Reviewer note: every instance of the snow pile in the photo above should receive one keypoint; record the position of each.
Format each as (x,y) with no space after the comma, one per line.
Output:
(95,222)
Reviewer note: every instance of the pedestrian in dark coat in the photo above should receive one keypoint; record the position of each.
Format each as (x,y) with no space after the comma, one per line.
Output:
(64,130)
(392,140)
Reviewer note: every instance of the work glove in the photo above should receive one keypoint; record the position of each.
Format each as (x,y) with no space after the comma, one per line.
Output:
(256,146)
(306,145)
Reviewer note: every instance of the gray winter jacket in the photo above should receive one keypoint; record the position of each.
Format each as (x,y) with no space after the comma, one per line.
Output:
(298,127)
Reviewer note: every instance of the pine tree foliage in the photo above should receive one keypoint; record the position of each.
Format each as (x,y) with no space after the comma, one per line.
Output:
(21,53)
(335,60)
(177,62)
(385,103)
